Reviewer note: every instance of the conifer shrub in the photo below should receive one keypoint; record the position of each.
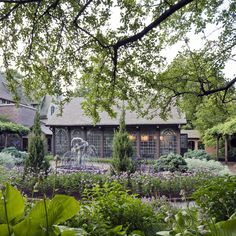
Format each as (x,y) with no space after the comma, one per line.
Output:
(36,161)
(122,150)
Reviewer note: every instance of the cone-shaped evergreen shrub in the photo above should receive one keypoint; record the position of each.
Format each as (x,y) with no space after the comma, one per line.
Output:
(122,149)
(36,161)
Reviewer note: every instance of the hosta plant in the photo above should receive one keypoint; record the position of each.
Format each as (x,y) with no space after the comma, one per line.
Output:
(42,219)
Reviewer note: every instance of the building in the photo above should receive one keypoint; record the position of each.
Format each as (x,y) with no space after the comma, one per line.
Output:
(150,138)
(23,113)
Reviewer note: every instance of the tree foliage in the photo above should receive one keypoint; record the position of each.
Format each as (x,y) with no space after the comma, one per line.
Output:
(113,49)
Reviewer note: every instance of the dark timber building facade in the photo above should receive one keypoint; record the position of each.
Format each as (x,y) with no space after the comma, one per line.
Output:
(150,138)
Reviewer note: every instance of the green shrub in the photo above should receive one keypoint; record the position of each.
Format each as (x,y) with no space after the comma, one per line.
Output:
(171,162)
(7,160)
(217,197)
(15,152)
(122,150)
(213,167)
(36,161)
(197,154)
(109,206)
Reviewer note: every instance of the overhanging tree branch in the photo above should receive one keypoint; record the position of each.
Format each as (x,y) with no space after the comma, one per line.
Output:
(83,8)
(154,24)
(224,88)
(10,11)
(20,1)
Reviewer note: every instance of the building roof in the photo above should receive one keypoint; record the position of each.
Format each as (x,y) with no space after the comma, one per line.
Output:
(73,115)
(45,129)
(20,114)
(192,133)
(4,93)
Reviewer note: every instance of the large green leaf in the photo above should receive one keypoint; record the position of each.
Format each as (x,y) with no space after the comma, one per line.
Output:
(225,228)
(46,214)
(13,202)
(4,230)
(62,208)
(27,228)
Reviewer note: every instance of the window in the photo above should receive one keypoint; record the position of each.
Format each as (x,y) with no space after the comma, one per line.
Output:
(183,143)
(168,142)
(52,109)
(94,138)
(133,140)
(76,133)
(148,145)
(62,140)
(108,139)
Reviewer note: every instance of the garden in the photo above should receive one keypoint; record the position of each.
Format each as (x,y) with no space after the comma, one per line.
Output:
(152,56)
(130,198)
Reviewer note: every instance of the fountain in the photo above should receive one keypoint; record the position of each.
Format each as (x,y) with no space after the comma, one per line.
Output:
(79,155)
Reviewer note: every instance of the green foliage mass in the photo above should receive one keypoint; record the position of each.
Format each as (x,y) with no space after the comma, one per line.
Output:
(227,128)
(217,197)
(203,166)
(109,206)
(36,161)
(43,218)
(197,154)
(10,127)
(68,42)
(171,162)
(122,150)
(15,152)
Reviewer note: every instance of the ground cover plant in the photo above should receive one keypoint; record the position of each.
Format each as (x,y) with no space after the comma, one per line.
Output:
(211,166)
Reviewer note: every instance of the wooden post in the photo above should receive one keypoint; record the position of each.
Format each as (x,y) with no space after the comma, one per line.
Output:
(102,142)
(226,149)
(138,142)
(178,151)
(158,143)
(195,144)
(69,138)
(6,140)
(217,147)
(53,141)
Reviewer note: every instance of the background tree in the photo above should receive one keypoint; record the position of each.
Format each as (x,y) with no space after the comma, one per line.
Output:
(36,161)
(122,150)
(113,47)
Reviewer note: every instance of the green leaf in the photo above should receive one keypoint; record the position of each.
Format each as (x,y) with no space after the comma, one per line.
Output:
(46,214)
(4,230)
(13,202)
(62,208)
(226,228)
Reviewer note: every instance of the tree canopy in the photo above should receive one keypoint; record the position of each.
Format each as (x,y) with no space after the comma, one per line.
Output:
(113,49)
